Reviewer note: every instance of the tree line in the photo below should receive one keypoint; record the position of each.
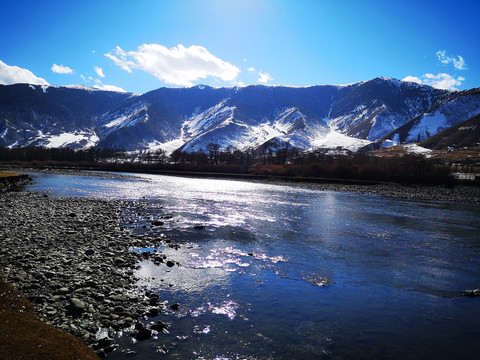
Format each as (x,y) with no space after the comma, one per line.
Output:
(277,160)
(42,154)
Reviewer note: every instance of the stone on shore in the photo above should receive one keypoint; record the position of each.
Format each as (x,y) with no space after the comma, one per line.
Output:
(77,307)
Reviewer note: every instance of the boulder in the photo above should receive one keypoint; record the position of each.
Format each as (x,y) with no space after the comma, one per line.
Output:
(76,307)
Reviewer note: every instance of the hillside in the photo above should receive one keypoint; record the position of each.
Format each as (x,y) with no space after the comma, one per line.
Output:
(465,134)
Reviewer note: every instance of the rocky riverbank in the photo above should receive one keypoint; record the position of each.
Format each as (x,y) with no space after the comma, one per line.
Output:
(468,194)
(9,181)
(73,261)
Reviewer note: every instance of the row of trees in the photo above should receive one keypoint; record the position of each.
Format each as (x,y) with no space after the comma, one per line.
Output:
(39,153)
(266,160)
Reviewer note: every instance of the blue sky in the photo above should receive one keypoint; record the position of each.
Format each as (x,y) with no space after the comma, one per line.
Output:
(142,45)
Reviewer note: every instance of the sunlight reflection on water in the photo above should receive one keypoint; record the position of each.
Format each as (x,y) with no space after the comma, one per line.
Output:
(283,272)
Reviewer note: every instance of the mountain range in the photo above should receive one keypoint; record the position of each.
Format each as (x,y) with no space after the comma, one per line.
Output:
(376,113)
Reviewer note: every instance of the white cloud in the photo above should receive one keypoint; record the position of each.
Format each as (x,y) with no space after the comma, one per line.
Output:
(109,88)
(99,71)
(251,69)
(458,62)
(120,58)
(178,65)
(442,81)
(14,75)
(439,81)
(413,79)
(264,77)
(60,69)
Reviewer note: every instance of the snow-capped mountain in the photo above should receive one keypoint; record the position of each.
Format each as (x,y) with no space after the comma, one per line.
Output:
(348,116)
(375,108)
(52,116)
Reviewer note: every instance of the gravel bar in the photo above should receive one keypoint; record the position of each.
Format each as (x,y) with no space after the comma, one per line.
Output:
(72,259)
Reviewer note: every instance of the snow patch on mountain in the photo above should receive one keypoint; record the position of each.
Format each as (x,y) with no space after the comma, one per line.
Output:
(416,149)
(116,122)
(430,124)
(168,146)
(257,135)
(202,122)
(83,139)
(132,115)
(334,139)
(342,122)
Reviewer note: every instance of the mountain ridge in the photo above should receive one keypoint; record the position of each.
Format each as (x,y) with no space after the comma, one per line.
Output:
(239,117)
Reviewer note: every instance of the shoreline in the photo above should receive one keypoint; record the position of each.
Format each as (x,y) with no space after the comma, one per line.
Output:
(467,194)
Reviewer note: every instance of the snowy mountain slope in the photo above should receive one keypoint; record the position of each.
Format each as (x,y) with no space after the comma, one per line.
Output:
(238,117)
(241,117)
(158,118)
(446,115)
(51,116)
(459,107)
(374,108)
(464,134)
(288,125)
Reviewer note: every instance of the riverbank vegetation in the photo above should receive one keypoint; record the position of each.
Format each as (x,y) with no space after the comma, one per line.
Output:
(268,161)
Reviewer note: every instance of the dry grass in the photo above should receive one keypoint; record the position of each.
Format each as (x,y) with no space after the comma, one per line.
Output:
(4,174)
(471,154)
(24,337)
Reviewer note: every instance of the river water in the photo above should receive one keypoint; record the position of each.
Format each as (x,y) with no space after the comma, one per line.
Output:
(284,272)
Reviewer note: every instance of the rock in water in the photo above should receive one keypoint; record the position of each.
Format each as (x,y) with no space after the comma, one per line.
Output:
(159,326)
(144,334)
(472,293)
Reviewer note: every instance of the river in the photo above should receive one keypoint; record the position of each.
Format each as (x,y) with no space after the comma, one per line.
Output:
(283,272)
